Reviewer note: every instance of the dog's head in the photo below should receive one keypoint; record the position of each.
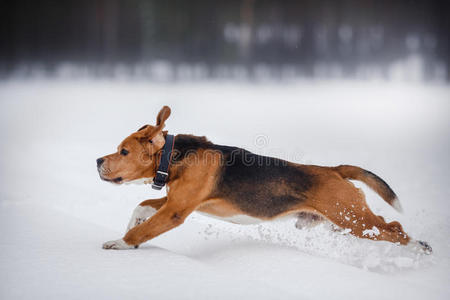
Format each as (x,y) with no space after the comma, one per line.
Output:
(136,155)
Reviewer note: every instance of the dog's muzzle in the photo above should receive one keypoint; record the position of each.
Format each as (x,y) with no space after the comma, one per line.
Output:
(100,161)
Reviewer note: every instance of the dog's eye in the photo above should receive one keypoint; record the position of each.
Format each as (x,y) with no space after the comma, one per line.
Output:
(150,141)
(123,152)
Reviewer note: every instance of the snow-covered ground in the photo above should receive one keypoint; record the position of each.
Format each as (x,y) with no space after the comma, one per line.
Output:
(55,213)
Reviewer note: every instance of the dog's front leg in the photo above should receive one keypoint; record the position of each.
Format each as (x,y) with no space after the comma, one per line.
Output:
(169,216)
(142,212)
(145,210)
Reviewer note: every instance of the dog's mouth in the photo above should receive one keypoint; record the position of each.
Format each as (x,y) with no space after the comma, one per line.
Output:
(116,180)
(102,172)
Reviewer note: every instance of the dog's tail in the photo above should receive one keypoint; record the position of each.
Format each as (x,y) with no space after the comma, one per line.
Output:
(373,181)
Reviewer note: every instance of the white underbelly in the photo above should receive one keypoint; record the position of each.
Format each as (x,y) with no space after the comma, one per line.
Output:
(236,219)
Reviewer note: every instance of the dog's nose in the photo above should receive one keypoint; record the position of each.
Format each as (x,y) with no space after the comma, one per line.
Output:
(100,161)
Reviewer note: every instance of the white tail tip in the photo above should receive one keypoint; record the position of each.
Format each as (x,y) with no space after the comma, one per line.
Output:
(396,204)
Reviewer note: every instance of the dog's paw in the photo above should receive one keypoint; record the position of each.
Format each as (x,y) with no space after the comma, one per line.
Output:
(425,247)
(117,245)
(420,246)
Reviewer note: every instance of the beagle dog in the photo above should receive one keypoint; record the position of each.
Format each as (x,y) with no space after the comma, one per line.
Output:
(238,186)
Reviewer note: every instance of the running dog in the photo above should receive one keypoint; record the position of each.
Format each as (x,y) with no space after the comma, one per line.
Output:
(238,186)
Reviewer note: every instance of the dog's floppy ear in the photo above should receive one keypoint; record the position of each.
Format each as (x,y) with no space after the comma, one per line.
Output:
(163,115)
(153,137)
(143,127)
(158,139)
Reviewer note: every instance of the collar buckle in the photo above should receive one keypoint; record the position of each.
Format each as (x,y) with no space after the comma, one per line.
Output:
(157,187)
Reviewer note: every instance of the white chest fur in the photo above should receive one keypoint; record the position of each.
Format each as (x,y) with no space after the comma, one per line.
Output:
(140,181)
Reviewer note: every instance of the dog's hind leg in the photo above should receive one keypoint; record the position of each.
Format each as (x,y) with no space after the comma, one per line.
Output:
(348,209)
(354,214)
(308,219)
(145,210)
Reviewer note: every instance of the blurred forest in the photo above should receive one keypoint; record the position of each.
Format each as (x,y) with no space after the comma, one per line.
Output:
(178,39)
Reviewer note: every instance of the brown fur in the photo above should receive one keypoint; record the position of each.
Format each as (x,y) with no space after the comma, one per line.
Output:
(200,181)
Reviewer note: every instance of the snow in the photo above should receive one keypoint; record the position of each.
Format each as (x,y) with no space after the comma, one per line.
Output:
(371,232)
(55,213)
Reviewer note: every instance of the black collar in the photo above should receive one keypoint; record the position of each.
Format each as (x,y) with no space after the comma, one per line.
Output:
(164,161)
